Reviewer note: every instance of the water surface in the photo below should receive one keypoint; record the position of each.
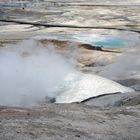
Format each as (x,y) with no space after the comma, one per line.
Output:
(114,42)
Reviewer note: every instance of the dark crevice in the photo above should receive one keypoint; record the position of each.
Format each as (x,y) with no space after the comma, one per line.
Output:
(88,99)
(98,48)
(68,26)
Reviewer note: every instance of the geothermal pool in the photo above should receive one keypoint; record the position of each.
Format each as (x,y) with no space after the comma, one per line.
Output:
(109,40)
(114,40)
(31,72)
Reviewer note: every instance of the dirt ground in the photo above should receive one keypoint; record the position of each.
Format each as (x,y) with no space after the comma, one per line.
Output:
(69,121)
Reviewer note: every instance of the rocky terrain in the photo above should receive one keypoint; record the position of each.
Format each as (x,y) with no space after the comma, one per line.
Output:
(75,30)
(70,121)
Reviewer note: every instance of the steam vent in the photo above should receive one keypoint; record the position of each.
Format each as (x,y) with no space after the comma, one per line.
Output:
(70,70)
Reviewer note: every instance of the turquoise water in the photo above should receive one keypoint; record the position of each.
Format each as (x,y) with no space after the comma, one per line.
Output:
(111,42)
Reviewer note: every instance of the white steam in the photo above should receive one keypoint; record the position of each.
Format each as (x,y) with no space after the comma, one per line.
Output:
(126,66)
(30,71)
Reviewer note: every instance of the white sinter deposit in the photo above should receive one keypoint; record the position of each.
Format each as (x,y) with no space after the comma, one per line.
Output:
(30,71)
(83,86)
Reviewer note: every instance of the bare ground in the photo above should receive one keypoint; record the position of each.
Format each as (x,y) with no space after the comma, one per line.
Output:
(69,121)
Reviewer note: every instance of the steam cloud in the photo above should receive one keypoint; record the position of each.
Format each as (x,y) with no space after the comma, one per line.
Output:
(29,72)
(126,66)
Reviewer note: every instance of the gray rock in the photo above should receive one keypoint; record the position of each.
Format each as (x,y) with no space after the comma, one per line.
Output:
(114,100)
(134,83)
